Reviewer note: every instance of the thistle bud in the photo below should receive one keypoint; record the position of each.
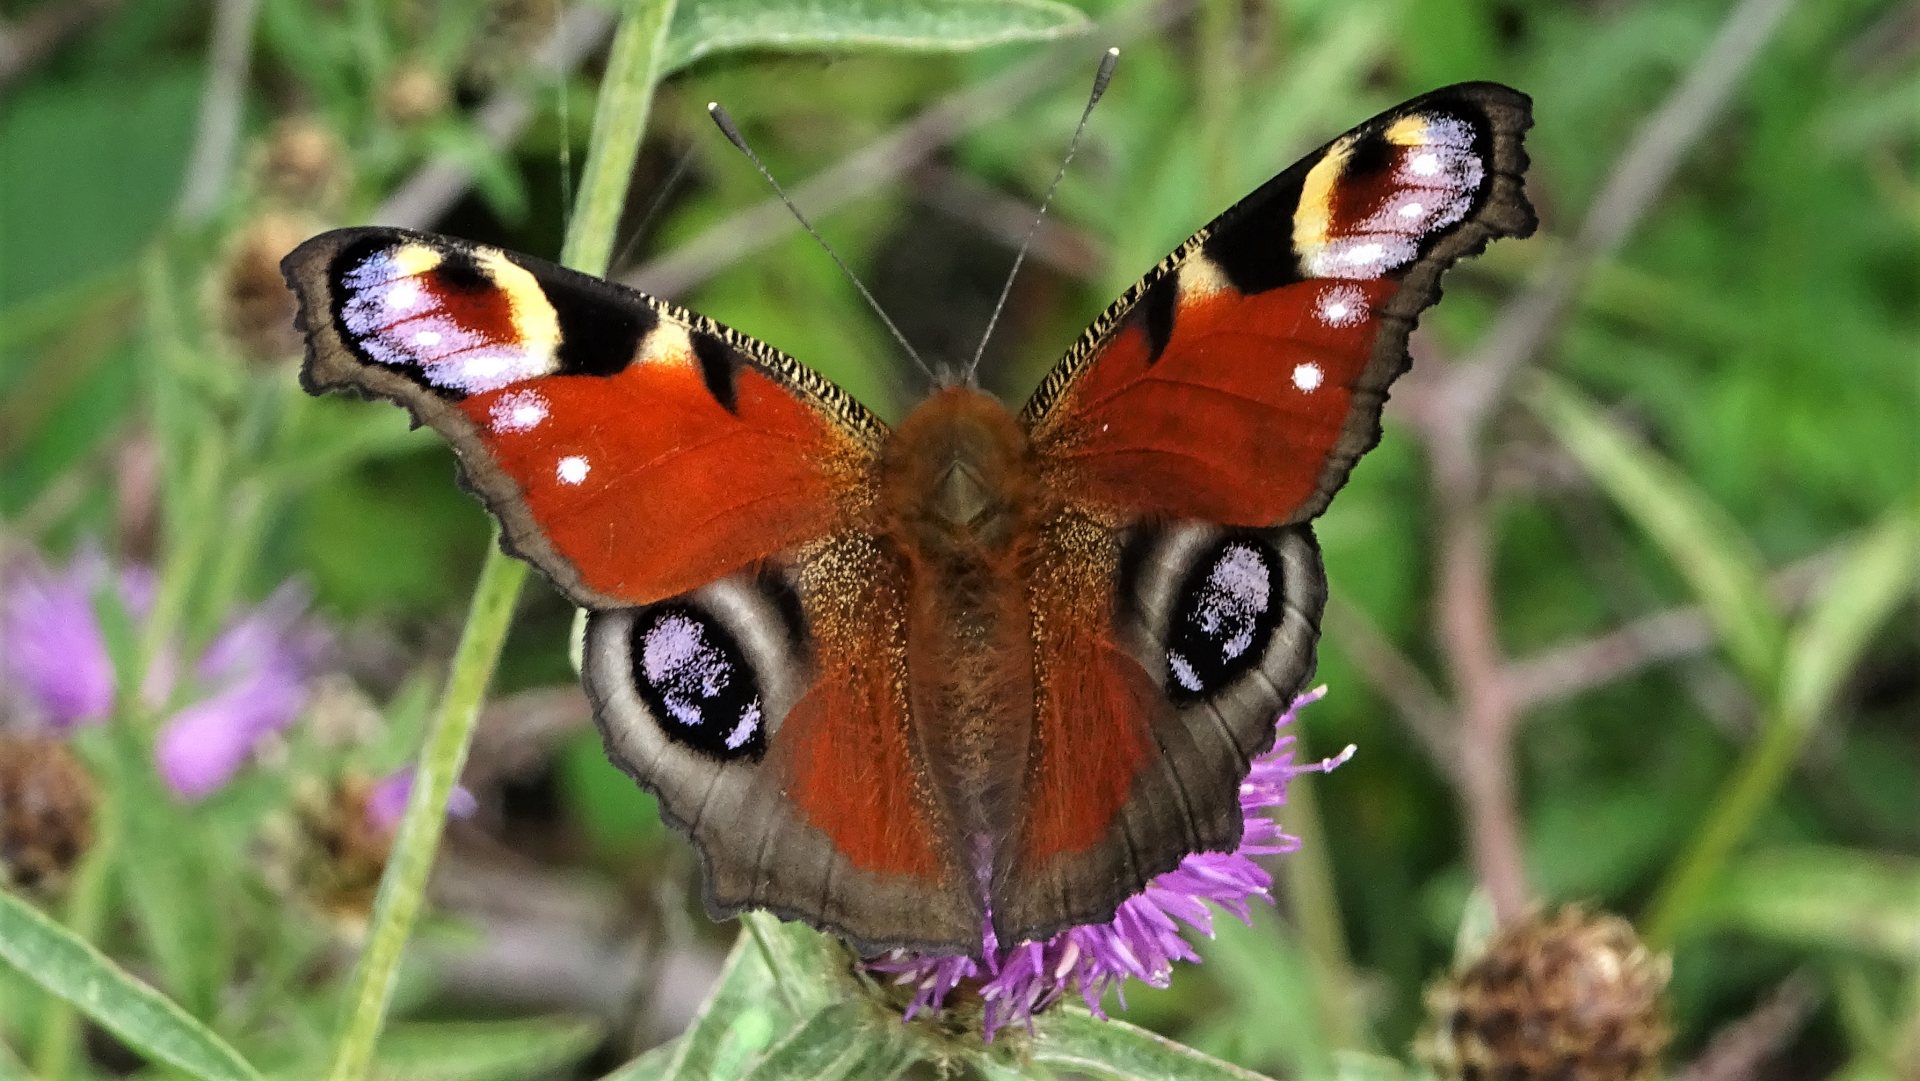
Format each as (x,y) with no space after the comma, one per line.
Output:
(413,94)
(1571,997)
(251,299)
(46,812)
(303,164)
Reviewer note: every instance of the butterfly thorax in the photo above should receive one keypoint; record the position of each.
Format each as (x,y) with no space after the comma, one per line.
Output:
(958,489)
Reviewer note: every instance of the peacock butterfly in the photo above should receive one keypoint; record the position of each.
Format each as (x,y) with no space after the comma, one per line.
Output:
(985,666)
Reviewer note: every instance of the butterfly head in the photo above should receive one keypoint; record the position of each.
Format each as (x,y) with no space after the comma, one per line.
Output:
(958,475)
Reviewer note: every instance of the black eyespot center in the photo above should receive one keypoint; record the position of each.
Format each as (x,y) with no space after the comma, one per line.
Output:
(1223,617)
(697,682)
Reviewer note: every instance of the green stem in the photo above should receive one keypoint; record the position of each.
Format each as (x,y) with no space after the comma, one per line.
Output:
(86,909)
(634,66)
(1316,910)
(1744,798)
(626,96)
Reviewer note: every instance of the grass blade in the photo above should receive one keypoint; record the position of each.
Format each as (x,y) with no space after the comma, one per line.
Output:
(484,1050)
(1706,547)
(1880,571)
(716,26)
(142,1017)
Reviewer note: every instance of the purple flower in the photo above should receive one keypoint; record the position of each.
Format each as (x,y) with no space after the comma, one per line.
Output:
(1143,939)
(250,681)
(51,643)
(388,801)
(256,672)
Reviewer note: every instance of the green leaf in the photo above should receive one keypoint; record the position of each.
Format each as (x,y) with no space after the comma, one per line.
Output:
(705,27)
(484,1051)
(651,1066)
(164,869)
(1073,1039)
(801,959)
(142,1017)
(844,1040)
(11,1068)
(1360,1066)
(1706,547)
(742,1016)
(1825,897)
(1878,572)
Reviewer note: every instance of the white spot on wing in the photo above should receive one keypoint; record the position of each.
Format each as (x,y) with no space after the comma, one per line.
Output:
(403,296)
(742,732)
(1341,306)
(1308,377)
(573,469)
(1426,164)
(427,338)
(518,411)
(1183,672)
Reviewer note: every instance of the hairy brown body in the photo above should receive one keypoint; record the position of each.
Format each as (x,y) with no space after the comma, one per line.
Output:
(959,492)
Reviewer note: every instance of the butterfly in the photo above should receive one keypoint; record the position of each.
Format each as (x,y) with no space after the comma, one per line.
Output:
(986,670)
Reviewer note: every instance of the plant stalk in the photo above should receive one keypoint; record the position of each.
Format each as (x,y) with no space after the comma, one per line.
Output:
(626,95)
(1731,817)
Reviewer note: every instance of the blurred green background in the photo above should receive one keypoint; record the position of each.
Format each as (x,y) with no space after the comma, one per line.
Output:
(1733,421)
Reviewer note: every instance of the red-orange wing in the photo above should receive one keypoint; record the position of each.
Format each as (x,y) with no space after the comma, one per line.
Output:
(1187,439)
(708,497)
(632,450)
(1241,379)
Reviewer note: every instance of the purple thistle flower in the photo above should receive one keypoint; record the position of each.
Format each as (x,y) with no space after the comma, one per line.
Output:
(1143,939)
(51,643)
(388,801)
(257,668)
(250,681)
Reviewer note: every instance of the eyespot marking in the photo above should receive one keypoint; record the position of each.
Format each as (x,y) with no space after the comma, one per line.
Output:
(697,683)
(1223,617)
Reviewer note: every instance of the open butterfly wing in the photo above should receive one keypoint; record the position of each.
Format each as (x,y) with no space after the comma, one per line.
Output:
(1189,436)
(708,498)
(631,449)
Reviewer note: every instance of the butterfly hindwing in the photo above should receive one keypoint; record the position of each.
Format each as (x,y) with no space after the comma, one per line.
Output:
(1189,437)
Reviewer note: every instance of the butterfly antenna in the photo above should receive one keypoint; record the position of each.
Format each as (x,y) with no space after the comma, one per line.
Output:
(1100,80)
(733,135)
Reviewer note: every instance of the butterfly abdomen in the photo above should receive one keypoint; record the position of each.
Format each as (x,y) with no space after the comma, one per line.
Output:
(958,490)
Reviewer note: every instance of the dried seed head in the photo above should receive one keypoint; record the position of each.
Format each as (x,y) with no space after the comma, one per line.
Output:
(303,164)
(412,94)
(251,299)
(331,854)
(46,812)
(1571,997)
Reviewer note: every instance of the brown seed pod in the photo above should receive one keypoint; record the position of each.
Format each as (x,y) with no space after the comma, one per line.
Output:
(46,812)
(251,298)
(303,164)
(412,94)
(1571,997)
(342,853)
